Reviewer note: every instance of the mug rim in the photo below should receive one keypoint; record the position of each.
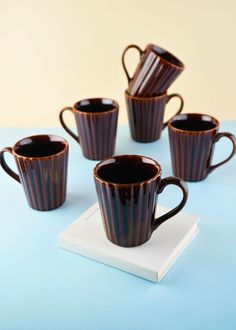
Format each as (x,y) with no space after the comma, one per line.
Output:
(108,160)
(114,103)
(157,50)
(160,96)
(195,114)
(59,139)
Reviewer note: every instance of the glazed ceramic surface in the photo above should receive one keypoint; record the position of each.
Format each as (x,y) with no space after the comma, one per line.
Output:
(42,164)
(192,138)
(96,121)
(127,189)
(146,115)
(155,72)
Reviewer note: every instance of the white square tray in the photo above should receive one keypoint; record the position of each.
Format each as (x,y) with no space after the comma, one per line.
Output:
(151,260)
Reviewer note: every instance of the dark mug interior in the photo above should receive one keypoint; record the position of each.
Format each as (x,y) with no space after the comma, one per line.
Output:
(167,56)
(194,122)
(127,169)
(96,105)
(40,146)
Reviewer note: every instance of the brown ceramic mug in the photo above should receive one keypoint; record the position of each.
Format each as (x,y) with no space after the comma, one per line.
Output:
(96,121)
(42,165)
(156,71)
(192,138)
(127,189)
(146,115)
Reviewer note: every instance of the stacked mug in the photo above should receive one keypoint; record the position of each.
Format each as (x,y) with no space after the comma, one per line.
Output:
(146,96)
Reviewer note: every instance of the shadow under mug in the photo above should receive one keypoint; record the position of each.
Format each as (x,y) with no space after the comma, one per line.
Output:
(156,71)
(42,164)
(146,115)
(127,189)
(192,138)
(96,121)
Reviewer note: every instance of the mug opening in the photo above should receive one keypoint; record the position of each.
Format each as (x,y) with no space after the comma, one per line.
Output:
(96,105)
(169,57)
(38,146)
(194,122)
(127,169)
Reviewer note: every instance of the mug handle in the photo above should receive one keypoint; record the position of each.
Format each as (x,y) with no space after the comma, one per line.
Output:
(180,108)
(66,128)
(5,166)
(123,59)
(183,186)
(217,138)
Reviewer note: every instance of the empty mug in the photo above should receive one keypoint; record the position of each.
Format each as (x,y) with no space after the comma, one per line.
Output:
(155,73)
(96,121)
(127,189)
(146,115)
(192,138)
(42,165)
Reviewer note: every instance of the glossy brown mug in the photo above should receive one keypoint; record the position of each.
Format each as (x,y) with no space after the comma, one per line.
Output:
(42,165)
(146,115)
(192,139)
(127,189)
(155,73)
(96,121)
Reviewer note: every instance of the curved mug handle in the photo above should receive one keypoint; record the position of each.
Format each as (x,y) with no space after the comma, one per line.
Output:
(178,111)
(5,166)
(66,128)
(183,186)
(123,59)
(232,138)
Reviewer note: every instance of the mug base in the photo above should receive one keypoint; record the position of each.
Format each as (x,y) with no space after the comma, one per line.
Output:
(187,179)
(128,244)
(98,158)
(145,140)
(46,209)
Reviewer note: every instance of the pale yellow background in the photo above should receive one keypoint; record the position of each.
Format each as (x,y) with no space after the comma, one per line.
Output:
(54,53)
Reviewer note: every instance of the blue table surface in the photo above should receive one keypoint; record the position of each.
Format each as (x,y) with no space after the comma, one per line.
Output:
(45,287)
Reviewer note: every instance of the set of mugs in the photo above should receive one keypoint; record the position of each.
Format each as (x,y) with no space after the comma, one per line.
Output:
(127,185)
(191,136)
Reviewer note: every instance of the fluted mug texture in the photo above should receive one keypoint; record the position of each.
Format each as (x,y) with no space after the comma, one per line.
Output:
(155,72)
(146,115)
(127,188)
(42,165)
(96,121)
(192,139)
